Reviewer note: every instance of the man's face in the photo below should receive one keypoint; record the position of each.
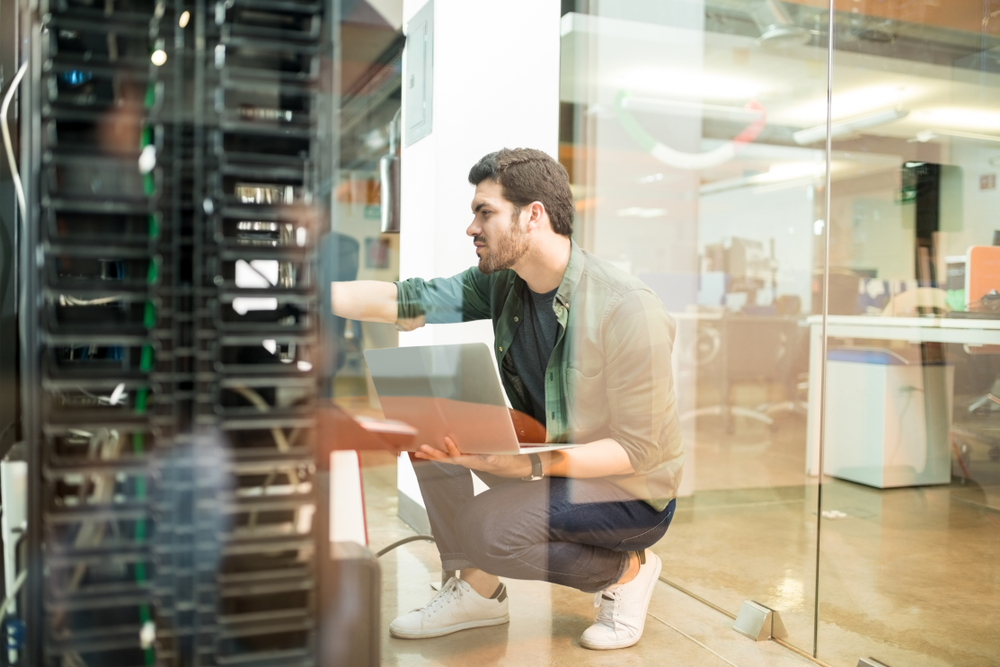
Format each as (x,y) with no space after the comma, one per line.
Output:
(496,231)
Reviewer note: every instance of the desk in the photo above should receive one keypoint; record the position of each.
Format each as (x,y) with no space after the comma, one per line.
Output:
(911,329)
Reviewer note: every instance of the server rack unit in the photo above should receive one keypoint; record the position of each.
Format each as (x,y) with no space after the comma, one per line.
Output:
(171,154)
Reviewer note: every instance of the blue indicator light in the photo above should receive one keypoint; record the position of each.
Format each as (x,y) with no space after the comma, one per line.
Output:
(75,77)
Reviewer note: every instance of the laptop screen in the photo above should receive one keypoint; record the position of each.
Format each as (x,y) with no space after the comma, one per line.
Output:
(457,372)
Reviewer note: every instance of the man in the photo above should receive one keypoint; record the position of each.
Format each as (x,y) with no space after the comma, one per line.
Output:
(584,348)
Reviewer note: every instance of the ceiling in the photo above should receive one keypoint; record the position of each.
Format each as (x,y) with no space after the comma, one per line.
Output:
(684,69)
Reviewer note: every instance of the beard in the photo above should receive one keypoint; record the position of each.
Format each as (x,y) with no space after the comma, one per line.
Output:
(504,251)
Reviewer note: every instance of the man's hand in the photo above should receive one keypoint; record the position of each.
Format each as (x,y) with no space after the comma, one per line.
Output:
(496,464)
(410,323)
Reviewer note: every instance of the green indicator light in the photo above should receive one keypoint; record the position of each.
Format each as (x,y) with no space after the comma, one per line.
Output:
(149,317)
(154,229)
(141,399)
(145,363)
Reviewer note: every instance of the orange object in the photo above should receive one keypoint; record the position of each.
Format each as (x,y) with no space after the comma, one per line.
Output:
(965,15)
(528,429)
(982,273)
(366,191)
(339,430)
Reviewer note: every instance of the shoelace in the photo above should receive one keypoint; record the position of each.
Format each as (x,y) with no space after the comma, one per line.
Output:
(447,592)
(605,612)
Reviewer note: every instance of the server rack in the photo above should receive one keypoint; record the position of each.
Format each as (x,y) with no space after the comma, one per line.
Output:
(174,161)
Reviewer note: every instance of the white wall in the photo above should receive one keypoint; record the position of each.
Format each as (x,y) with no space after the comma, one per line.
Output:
(496,85)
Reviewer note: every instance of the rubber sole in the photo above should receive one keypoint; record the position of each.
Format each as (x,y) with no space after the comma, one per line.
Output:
(441,632)
(632,641)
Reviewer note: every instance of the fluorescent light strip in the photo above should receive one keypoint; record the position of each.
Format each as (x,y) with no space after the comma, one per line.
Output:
(787,175)
(926,135)
(847,127)
(694,109)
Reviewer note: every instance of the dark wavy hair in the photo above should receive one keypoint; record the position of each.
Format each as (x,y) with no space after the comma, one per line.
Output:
(528,175)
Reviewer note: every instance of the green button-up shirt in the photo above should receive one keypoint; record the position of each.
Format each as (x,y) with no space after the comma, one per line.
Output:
(609,375)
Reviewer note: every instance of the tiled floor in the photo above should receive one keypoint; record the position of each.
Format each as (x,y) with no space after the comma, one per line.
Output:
(546,620)
(908,576)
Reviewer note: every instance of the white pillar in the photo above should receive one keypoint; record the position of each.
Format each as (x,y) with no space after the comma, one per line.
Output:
(495,85)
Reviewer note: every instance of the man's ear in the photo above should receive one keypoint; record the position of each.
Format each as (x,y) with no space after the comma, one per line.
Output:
(536,216)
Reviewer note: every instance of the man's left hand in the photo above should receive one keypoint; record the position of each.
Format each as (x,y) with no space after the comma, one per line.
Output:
(497,464)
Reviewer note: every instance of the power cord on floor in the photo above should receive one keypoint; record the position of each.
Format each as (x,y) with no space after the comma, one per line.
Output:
(405,540)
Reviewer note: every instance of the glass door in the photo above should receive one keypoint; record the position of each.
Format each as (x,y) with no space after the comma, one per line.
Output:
(694,135)
(911,461)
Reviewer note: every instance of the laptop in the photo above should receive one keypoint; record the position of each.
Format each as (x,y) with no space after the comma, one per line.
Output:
(448,390)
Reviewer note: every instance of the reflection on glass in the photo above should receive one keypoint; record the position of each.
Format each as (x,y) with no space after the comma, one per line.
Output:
(688,133)
(694,133)
(909,455)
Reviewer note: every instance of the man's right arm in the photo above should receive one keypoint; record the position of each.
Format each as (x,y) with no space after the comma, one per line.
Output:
(412,303)
(370,301)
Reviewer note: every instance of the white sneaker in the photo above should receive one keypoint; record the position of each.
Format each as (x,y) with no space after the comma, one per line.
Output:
(455,607)
(622,609)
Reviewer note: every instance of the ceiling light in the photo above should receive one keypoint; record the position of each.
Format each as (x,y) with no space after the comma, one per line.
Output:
(652,178)
(850,103)
(158,57)
(957,117)
(689,84)
(185,17)
(788,174)
(776,26)
(784,36)
(784,172)
(844,128)
(926,135)
(692,109)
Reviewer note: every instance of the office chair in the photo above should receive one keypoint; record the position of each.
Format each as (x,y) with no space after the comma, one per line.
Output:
(739,348)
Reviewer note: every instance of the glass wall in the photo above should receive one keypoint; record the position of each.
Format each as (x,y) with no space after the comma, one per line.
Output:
(826,246)
(370,83)
(678,132)
(837,356)
(908,570)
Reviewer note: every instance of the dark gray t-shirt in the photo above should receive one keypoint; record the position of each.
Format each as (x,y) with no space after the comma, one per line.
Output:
(532,346)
